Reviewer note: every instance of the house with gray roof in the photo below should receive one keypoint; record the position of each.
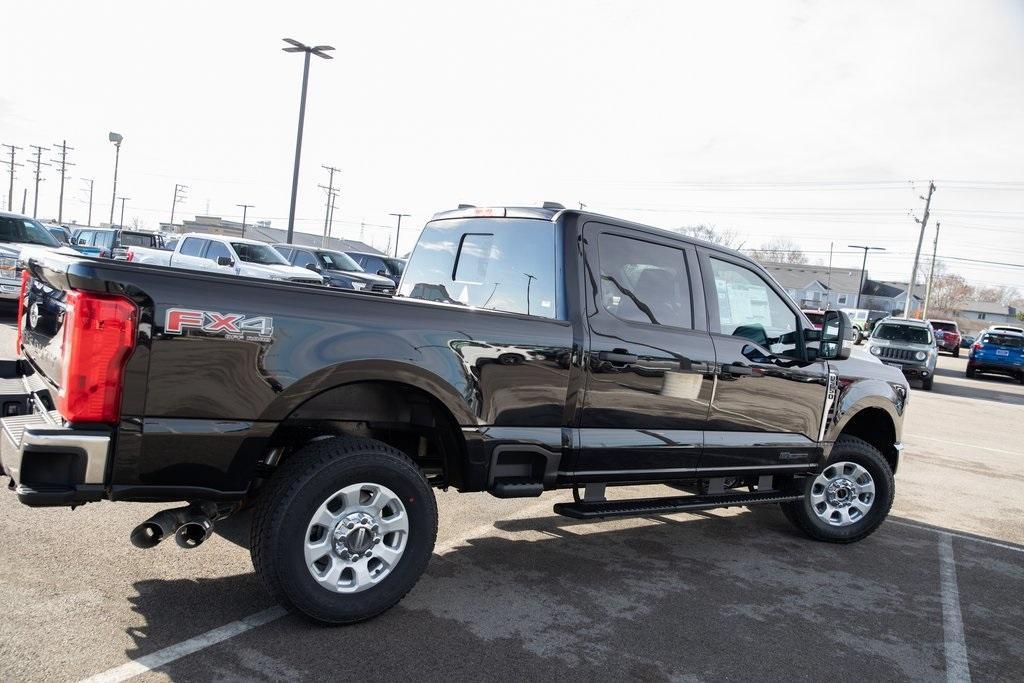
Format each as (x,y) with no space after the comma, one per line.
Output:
(988,313)
(817,286)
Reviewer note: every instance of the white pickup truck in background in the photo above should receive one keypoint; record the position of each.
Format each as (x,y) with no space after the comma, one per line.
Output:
(218,254)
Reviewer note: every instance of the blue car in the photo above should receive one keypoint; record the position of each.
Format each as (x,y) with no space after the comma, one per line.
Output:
(998,353)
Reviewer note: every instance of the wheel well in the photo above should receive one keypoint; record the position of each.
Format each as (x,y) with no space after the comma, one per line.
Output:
(876,427)
(400,415)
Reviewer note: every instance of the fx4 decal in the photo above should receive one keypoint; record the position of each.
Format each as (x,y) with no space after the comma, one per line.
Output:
(231,325)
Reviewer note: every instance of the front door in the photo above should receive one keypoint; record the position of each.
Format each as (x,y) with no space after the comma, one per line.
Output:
(768,400)
(650,361)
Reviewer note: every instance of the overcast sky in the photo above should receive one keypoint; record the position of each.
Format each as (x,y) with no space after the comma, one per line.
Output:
(796,119)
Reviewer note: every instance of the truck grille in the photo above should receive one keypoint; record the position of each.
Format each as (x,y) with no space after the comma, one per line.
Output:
(896,354)
(307,282)
(383,289)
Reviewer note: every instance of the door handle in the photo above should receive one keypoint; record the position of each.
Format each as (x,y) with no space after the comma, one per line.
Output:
(618,357)
(736,369)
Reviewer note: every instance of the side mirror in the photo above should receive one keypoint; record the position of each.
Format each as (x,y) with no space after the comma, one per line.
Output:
(835,329)
(80,241)
(382,273)
(225,261)
(313,267)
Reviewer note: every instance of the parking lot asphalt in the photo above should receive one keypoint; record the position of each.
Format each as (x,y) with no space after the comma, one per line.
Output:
(516,592)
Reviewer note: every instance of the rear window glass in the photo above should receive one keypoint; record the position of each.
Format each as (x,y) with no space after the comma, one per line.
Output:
(909,334)
(1009,340)
(499,264)
(945,327)
(134,239)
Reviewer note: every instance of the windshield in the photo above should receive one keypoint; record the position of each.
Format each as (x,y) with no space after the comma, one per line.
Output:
(262,254)
(945,327)
(336,260)
(1012,341)
(909,334)
(25,231)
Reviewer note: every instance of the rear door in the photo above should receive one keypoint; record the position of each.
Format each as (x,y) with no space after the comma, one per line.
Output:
(769,401)
(650,361)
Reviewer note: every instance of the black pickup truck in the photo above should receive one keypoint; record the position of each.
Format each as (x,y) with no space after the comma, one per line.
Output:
(527,349)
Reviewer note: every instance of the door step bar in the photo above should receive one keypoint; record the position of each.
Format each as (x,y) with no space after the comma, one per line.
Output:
(639,507)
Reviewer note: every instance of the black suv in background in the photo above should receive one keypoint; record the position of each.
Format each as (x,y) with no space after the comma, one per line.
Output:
(337,268)
(385,266)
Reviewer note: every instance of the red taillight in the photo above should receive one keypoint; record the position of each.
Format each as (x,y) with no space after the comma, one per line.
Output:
(976,345)
(21,309)
(99,334)
(129,255)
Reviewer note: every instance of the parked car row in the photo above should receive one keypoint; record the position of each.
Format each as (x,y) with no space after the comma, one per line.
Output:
(357,271)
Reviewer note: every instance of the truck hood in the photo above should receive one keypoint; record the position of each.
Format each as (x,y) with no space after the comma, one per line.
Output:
(278,272)
(855,368)
(369,278)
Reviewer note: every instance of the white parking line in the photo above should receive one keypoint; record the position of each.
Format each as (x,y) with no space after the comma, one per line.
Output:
(963,445)
(187,647)
(958,669)
(218,635)
(954,534)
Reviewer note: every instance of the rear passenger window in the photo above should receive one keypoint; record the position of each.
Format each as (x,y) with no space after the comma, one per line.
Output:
(498,264)
(193,246)
(644,282)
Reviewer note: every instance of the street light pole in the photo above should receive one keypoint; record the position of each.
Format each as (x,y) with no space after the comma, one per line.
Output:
(319,50)
(398,231)
(116,138)
(863,266)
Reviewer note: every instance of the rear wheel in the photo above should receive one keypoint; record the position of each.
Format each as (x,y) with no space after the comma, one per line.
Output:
(343,530)
(849,499)
(970,370)
(956,352)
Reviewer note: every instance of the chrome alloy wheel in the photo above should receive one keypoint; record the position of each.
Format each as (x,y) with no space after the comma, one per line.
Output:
(842,494)
(356,537)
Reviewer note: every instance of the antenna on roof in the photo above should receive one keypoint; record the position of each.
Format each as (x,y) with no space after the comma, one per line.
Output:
(553,205)
(467,206)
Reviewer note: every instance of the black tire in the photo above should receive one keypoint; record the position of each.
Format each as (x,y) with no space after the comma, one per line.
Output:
(847,449)
(928,383)
(970,370)
(956,352)
(299,486)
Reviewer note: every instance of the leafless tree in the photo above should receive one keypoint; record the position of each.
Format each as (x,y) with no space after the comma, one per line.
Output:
(711,233)
(779,250)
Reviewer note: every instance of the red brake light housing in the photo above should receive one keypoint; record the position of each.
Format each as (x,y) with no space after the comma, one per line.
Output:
(21,309)
(99,335)
(976,345)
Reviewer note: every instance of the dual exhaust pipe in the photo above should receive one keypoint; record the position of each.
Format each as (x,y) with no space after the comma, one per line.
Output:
(190,525)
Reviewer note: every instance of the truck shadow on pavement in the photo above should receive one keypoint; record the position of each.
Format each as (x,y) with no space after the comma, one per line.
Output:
(707,596)
(985,387)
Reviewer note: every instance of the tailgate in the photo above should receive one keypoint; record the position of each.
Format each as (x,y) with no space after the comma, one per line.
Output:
(41,324)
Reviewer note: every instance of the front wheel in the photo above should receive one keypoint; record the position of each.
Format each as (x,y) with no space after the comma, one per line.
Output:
(343,530)
(928,384)
(849,499)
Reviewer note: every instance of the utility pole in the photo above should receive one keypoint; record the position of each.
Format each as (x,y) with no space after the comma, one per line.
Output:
(863,266)
(828,280)
(529,281)
(24,198)
(329,217)
(10,169)
(64,163)
(39,163)
(917,254)
(331,170)
(245,209)
(123,199)
(931,273)
(179,196)
(330,224)
(90,181)
(398,231)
